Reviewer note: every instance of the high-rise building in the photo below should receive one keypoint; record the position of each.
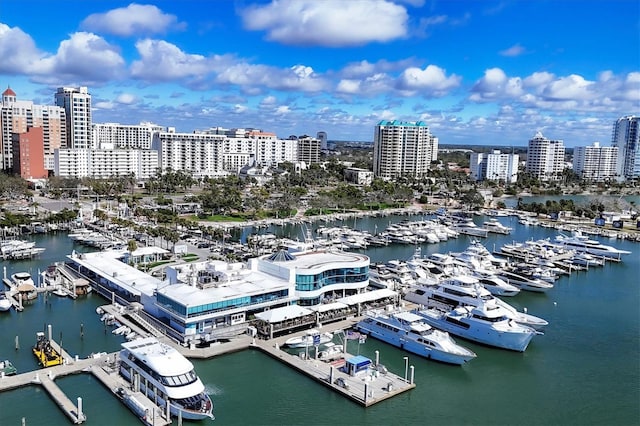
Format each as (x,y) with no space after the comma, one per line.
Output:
(77,105)
(595,162)
(494,166)
(322,136)
(626,136)
(17,116)
(308,150)
(105,163)
(545,158)
(125,136)
(403,149)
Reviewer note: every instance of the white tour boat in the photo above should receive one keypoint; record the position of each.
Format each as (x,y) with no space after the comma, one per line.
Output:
(408,331)
(164,375)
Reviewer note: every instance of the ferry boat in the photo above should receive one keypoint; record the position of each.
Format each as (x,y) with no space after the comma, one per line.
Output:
(165,375)
(408,331)
(46,354)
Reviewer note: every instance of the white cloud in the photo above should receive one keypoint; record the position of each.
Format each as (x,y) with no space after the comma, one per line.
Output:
(331,23)
(431,81)
(163,61)
(513,51)
(495,85)
(348,86)
(268,101)
(18,51)
(127,99)
(134,19)
(83,58)
(240,109)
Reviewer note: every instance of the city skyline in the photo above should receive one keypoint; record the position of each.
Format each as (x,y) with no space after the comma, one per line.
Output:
(491,73)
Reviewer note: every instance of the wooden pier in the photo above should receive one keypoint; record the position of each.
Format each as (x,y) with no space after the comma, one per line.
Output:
(103,368)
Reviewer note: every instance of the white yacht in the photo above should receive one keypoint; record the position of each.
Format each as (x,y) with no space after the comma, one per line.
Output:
(493,225)
(5,303)
(487,325)
(466,291)
(165,375)
(410,332)
(581,243)
(535,285)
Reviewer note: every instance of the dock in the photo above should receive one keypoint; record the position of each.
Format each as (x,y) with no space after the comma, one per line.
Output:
(364,389)
(16,303)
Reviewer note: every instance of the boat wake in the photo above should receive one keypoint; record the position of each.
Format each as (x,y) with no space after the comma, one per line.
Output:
(212,390)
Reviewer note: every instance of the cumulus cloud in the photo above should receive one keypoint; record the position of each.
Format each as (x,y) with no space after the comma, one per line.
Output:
(18,51)
(513,51)
(331,23)
(495,85)
(431,81)
(84,57)
(164,61)
(548,92)
(134,19)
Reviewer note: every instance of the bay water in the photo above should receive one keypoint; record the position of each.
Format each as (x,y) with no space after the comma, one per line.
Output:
(585,369)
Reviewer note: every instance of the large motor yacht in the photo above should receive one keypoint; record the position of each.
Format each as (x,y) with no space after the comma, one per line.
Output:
(483,324)
(465,291)
(582,243)
(408,331)
(165,375)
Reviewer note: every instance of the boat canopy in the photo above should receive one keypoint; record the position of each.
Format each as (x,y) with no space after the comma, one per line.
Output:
(328,307)
(284,313)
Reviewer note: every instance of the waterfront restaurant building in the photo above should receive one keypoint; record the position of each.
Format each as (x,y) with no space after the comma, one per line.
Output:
(207,301)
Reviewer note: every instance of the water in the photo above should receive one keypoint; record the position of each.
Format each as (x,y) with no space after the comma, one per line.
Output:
(584,371)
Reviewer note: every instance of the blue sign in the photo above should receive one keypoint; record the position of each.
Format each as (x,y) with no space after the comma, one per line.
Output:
(316,340)
(599,221)
(618,224)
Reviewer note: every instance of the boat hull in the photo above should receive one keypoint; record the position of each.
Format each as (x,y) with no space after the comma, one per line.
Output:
(502,339)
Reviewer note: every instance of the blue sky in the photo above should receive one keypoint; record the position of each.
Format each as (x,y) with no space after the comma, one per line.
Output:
(478,72)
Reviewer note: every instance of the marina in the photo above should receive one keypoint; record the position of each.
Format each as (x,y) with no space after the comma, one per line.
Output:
(392,358)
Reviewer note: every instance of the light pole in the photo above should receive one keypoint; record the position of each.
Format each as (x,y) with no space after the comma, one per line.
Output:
(406,367)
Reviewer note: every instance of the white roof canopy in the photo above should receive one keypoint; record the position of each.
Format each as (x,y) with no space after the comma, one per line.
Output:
(368,296)
(284,313)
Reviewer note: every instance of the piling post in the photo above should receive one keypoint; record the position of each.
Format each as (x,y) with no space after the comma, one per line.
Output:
(412,374)
(80,415)
(17,343)
(81,331)
(49,332)
(366,391)
(377,357)
(331,374)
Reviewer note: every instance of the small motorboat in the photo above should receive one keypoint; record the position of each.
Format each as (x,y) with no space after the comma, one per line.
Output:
(5,303)
(60,292)
(311,338)
(7,369)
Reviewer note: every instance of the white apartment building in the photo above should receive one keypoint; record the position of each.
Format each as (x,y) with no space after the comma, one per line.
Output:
(17,116)
(77,105)
(105,163)
(626,137)
(494,166)
(126,136)
(595,162)
(219,152)
(403,149)
(545,158)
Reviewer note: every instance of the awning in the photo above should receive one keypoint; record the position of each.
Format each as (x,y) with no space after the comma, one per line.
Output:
(282,314)
(328,307)
(368,296)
